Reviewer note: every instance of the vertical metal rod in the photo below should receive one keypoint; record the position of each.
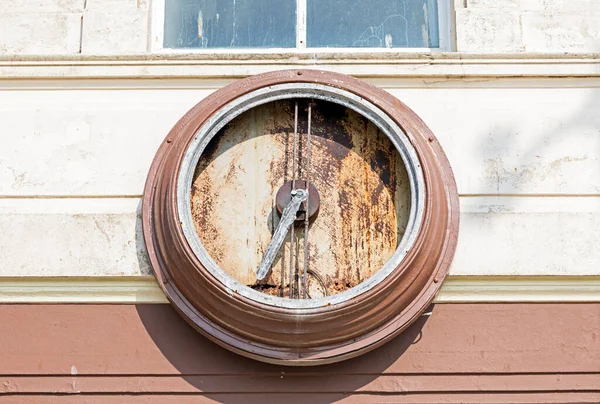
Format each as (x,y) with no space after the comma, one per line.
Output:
(295,146)
(282,275)
(307,175)
(292,231)
(292,264)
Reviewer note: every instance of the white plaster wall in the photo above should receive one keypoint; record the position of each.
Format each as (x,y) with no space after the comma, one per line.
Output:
(502,136)
(485,26)
(525,152)
(75,152)
(69,27)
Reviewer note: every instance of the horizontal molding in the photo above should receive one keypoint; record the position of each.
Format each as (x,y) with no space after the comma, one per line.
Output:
(144,289)
(361,64)
(461,289)
(131,289)
(287,382)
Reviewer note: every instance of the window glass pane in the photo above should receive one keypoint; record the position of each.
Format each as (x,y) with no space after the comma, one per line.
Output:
(372,23)
(230,24)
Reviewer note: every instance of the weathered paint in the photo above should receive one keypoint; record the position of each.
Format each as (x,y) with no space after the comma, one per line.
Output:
(99,137)
(490,225)
(301,331)
(365,195)
(518,136)
(114,27)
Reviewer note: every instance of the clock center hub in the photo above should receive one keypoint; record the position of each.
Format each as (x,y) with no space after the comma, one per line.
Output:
(284,196)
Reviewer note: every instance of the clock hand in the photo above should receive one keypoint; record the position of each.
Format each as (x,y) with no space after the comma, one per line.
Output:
(287,220)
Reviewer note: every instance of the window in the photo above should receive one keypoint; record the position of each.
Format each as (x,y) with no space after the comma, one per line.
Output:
(298,24)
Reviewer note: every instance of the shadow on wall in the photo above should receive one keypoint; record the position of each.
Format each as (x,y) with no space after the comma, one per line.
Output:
(217,372)
(213,370)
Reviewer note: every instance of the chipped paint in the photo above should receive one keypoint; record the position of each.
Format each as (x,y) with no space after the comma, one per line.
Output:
(364,191)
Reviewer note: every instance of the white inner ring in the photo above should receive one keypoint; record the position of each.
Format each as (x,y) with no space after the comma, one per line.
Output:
(292,91)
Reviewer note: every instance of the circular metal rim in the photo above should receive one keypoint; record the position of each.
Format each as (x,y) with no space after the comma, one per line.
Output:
(262,96)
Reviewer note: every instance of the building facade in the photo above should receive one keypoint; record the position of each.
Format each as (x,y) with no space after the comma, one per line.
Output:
(89,89)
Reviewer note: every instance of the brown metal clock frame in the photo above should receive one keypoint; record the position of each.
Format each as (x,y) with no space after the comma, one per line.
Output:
(328,330)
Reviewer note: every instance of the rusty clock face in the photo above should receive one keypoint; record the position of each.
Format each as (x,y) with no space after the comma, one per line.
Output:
(300,196)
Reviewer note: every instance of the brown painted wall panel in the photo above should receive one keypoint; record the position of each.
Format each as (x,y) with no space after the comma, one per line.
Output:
(461,353)
(407,398)
(328,384)
(152,339)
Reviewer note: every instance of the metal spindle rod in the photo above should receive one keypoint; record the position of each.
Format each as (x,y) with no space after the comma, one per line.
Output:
(292,231)
(307,175)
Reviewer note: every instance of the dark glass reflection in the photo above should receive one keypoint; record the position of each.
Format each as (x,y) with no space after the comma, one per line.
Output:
(372,23)
(230,24)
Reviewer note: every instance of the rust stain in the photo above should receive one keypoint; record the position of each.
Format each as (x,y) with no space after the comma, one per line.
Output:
(364,196)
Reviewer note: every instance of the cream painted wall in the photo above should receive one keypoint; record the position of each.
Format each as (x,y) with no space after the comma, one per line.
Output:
(525,152)
(80,128)
(485,26)
(51,27)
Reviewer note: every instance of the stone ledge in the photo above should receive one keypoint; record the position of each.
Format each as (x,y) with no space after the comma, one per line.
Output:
(144,289)
(367,64)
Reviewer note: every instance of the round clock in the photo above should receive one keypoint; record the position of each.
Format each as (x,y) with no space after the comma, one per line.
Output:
(300,217)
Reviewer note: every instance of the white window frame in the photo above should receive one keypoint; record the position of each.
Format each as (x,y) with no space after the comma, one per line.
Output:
(445,20)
